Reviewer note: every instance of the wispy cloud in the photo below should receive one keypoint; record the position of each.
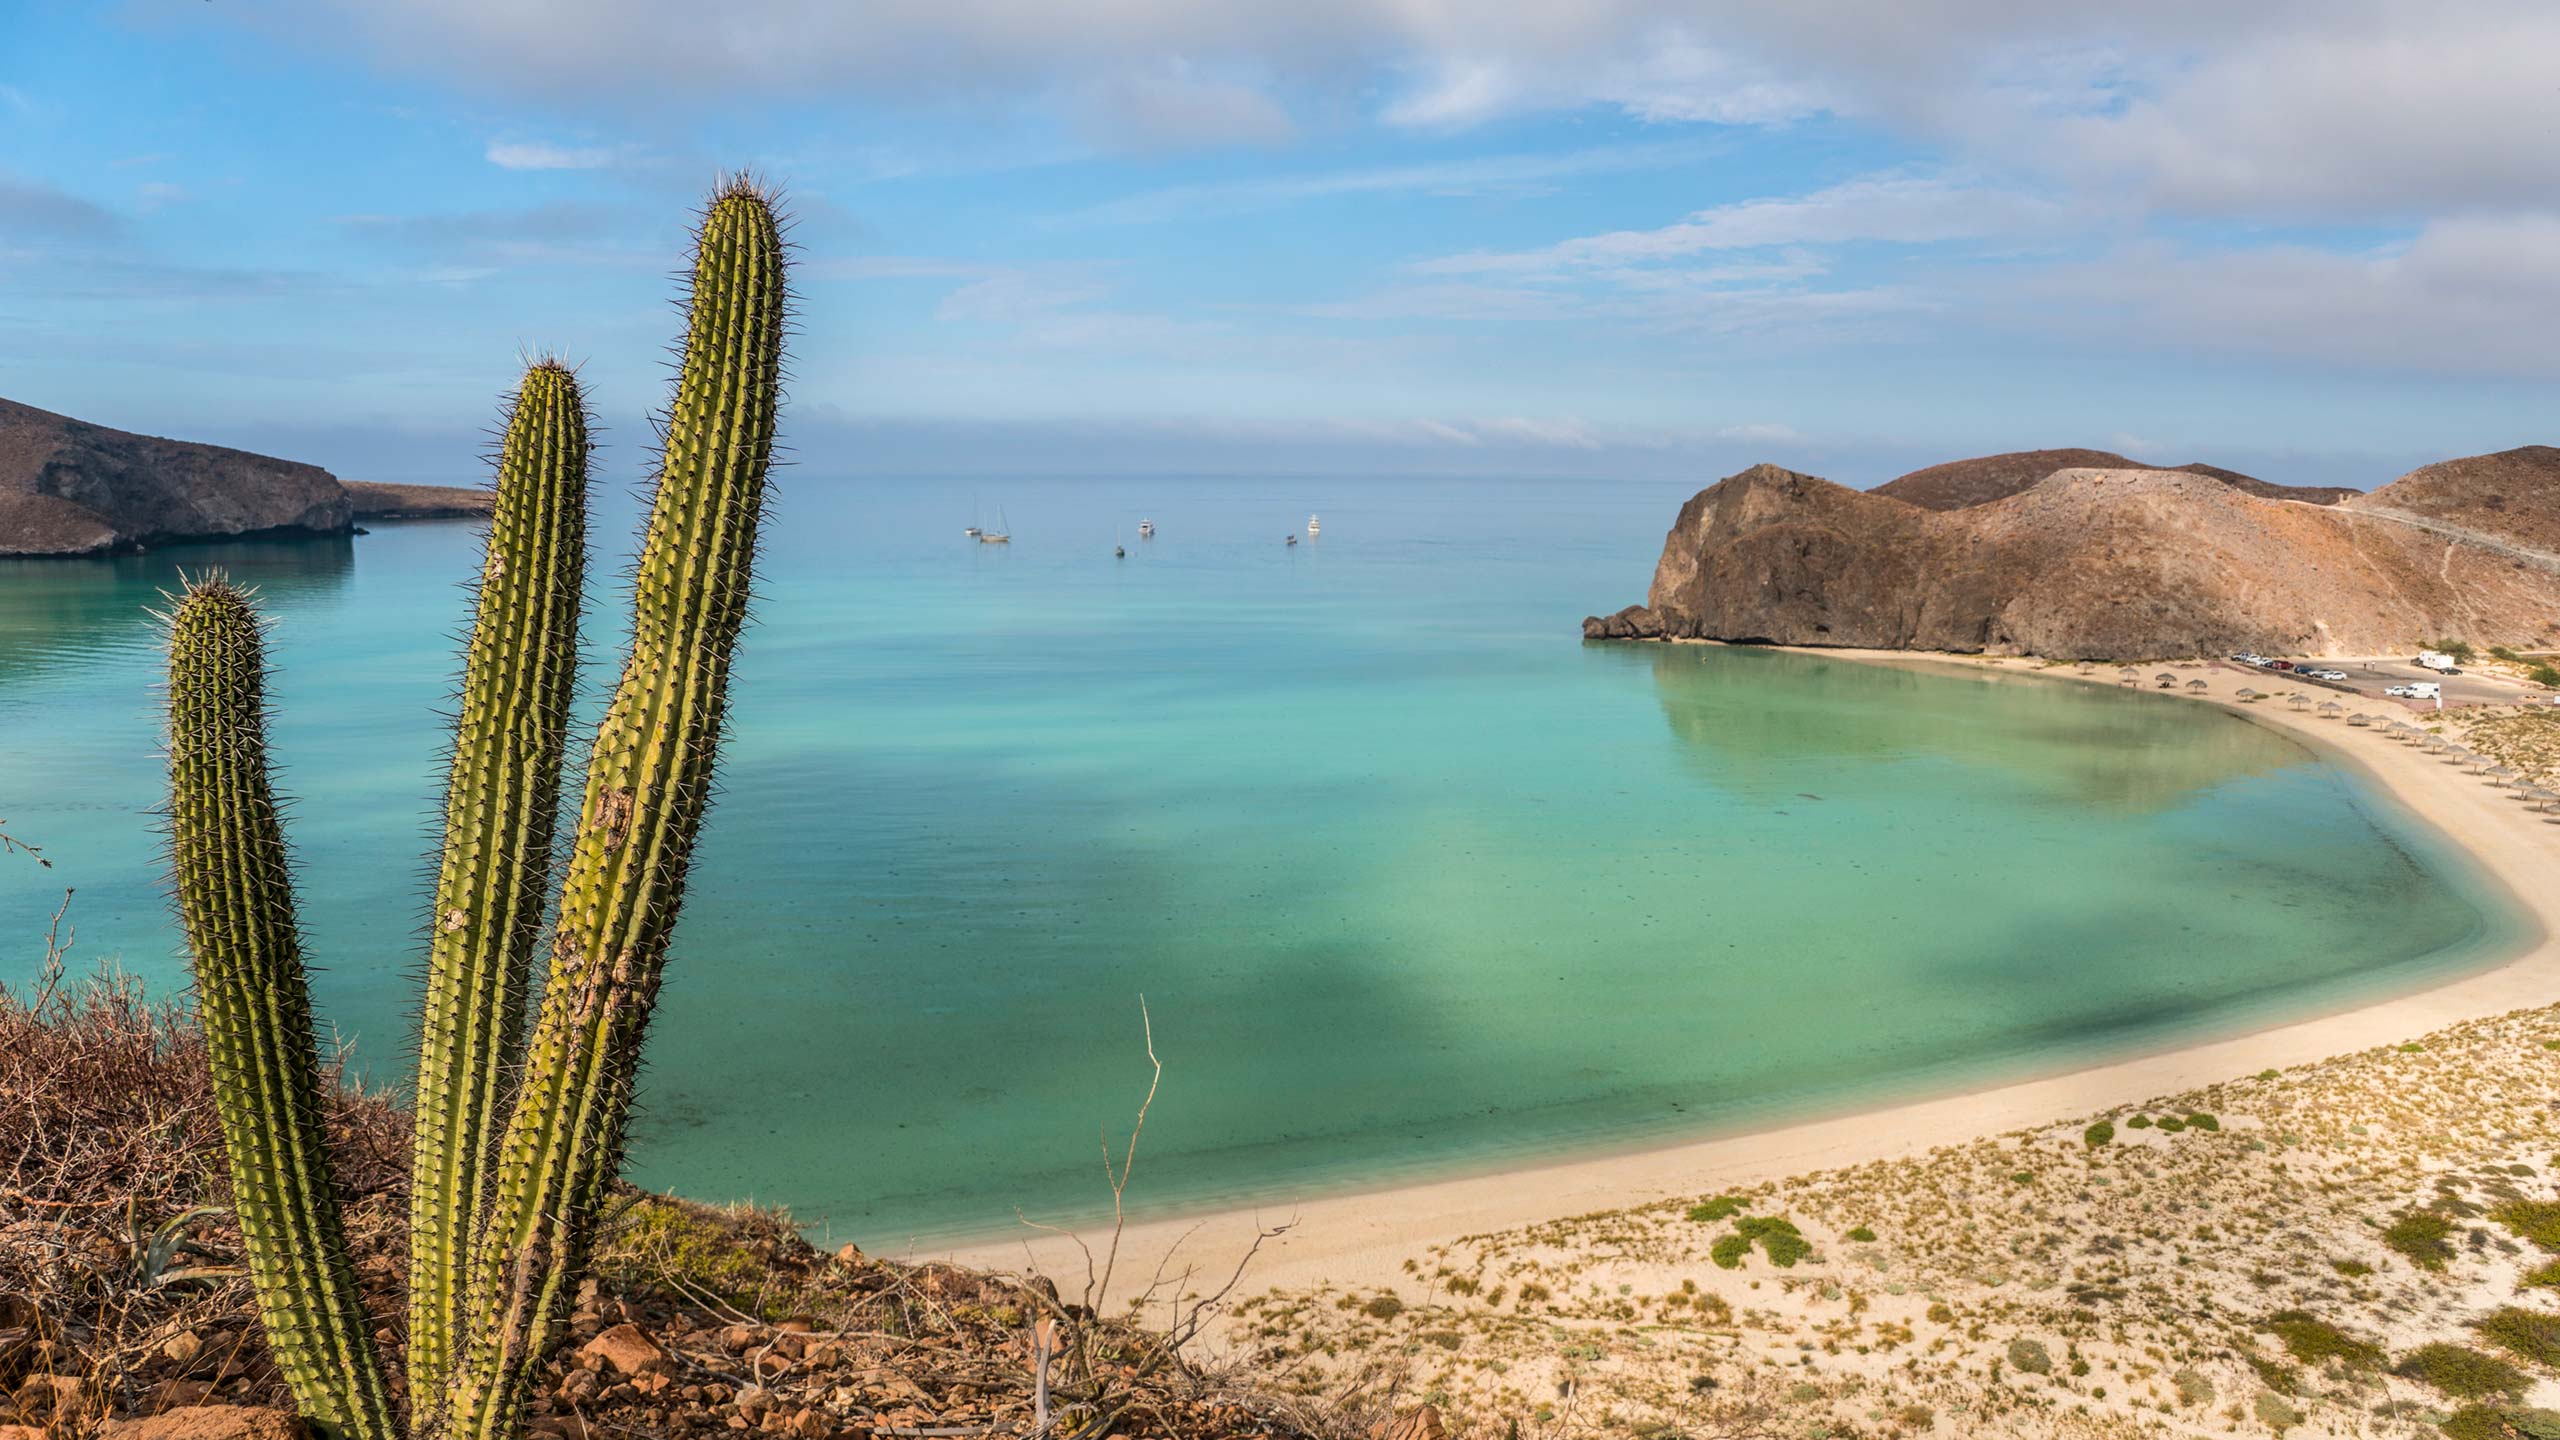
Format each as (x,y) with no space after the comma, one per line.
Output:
(536,155)
(34,209)
(1889,209)
(1513,174)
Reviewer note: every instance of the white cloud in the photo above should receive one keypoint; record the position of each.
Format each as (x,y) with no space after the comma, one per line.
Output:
(534,155)
(1890,209)
(2476,295)
(2353,106)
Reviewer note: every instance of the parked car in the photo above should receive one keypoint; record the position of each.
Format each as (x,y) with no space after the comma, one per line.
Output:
(2280,664)
(2325,674)
(2416,690)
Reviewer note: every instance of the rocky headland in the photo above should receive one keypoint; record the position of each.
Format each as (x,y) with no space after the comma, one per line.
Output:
(2112,562)
(68,487)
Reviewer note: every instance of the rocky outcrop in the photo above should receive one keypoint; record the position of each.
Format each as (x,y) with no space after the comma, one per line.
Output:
(381,500)
(2112,563)
(1962,484)
(71,488)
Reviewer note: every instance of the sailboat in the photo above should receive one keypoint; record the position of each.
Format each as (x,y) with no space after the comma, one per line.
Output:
(999,535)
(1313,527)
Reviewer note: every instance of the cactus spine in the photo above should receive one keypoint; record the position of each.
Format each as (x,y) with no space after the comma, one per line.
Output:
(502,797)
(237,906)
(517,1145)
(648,781)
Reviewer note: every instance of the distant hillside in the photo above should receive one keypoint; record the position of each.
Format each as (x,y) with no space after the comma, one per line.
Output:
(2117,562)
(382,500)
(2513,494)
(1963,484)
(68,487)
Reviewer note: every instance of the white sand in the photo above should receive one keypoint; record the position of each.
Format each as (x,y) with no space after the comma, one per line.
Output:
(1363,1239)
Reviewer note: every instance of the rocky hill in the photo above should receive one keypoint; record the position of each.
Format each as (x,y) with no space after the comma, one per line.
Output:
(68,487)
(2513,495)
(2109,563)
(1962,484)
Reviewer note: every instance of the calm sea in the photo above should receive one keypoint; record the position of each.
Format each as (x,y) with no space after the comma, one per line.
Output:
(1408,876)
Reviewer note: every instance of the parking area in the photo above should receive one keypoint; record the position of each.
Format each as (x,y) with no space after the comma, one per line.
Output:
(2372,675)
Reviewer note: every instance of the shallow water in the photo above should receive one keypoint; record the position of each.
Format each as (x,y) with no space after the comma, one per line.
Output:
(1408,876)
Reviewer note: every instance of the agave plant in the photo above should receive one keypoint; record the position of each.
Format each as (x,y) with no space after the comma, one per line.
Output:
(518,1136)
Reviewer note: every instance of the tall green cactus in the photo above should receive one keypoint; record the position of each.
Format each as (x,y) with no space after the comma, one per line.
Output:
(502,799)
(648,780)
(516,1145)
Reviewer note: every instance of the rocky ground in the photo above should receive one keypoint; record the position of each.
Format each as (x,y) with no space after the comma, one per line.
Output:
(2364,1247)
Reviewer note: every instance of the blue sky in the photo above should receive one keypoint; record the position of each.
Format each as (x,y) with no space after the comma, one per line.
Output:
(2317,240)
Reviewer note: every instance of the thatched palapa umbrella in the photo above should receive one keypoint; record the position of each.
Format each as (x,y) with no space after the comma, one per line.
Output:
(2167,681)
(2331,709)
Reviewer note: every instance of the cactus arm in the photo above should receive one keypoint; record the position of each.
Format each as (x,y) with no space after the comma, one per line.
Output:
(502,798)
(236,902)
(648,781)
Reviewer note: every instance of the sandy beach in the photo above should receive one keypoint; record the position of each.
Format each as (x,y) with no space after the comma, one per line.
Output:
(1349,1241)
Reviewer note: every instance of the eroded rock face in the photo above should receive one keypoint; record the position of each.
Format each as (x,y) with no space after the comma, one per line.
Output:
(71,488)
(2087,564)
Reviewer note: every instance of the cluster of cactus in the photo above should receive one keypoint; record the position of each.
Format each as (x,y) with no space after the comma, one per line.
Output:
(518,1136)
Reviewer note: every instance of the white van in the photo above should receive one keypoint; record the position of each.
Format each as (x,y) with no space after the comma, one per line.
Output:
(2416,690)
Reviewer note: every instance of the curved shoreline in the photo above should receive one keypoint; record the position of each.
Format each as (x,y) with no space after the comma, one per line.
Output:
(1364,1237)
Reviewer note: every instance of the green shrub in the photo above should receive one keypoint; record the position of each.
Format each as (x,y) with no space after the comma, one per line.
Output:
(2462,1372)
(2202,1121)
(1863,1235)
(2138,1122)
(1385,1307)
(2534,1220)
(1786,1249)
(2030,1356)
(2460,650)
(2423,1236)
(1941,1313)
(2316,1342)
(1728,1251)
(1714,1210)
(2194,1387)
(2270,1073)
(2171,1124)
(2352,1269)
(1778,1238)
(2547,1277)
(2492,1422)
(2098,1134)
(2275,1412)
(2502,652)
(2529,1333)
(2544,675)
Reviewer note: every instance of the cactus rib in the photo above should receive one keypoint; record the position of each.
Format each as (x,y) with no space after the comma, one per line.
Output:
(648,781)
(235,899)
(502,800)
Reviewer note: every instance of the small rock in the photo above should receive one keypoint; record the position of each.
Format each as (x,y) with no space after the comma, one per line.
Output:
(42,1397)
(580,1385)
(850,1254)
(752,1398)
(1419,1423)
(212,1422)
(182,1348)
(625,1350)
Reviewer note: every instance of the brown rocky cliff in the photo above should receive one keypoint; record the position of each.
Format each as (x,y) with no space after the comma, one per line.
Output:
(68,487)
(2086,564)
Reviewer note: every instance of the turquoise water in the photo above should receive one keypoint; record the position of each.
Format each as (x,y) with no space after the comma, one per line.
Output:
(1409,876)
